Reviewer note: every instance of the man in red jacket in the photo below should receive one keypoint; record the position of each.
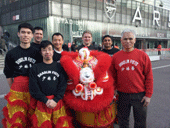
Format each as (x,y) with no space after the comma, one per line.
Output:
(159,49)
(132,72)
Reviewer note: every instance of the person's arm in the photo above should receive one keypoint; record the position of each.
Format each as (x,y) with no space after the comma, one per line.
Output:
(61,86)
(10,81)
(148,77)
(34,88)
(148,82)
(113,73)
(8,69)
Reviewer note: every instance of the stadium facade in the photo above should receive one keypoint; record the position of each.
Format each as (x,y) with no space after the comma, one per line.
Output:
(72,17)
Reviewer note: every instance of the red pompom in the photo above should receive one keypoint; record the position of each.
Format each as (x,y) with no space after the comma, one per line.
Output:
(79,87)
(92,85)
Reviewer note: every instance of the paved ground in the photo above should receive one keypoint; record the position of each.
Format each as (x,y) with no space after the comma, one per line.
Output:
(159,108)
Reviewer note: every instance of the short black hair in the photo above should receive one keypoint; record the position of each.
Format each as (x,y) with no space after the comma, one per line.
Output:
(105,37)
(26,25)
(45,43)
(57,34)
(38,28)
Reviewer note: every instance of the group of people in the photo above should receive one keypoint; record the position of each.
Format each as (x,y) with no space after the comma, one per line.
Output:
(38,81)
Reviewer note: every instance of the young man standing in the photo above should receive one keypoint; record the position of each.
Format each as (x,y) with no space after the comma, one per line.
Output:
(132,72)
(38,36)
(107,43)
(47,84)
(87,41)
(57,41)
(18,61)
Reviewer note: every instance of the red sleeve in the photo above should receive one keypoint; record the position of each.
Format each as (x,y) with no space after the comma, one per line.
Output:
(148,77)
(113,72)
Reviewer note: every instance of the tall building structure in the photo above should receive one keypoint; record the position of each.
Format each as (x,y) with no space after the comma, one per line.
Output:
(72,17)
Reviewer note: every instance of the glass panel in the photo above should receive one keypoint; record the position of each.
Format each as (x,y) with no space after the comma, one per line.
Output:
(84,3)
(84,13)
(76,2)
(23,14)
(57,0)
(22,2)
(99,15)
(11,1)
(75,11)
(67,1)
(56,8)
(124,19)
(35,9)
(92,3)
(99,5)
(43,9)
(91,14)
(118,18)
(29,13)
(5,2)
(3,19)
(129,20)
(134,5)
(124,6)
(66,10)
(0,3)
(99,10)
(118,7)
(150,16)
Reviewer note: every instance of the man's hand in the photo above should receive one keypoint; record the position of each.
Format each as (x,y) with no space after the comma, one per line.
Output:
(115,93)
(51,104)
(146,101)
(10,81)
(48,103)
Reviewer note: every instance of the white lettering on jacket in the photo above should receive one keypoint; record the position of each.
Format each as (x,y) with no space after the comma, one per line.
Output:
(127,62)
(48,72)
(23,59)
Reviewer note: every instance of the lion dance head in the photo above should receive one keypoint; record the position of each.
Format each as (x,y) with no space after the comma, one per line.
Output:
(90,85)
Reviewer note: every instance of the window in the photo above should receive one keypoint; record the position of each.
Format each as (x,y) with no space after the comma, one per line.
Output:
(66,10)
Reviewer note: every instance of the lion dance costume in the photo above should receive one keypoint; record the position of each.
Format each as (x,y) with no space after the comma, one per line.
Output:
(90,88)
(20,106)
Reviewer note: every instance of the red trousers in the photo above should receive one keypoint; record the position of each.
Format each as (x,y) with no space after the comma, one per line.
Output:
(45,117)
(20,105)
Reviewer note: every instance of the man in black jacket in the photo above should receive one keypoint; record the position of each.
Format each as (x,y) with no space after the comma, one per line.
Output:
(47,84)
(87,41)
(38,36)
(57,41)
(18,61)
(107,44)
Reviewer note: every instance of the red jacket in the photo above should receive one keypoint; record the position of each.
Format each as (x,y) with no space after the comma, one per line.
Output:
(132,72)
(159,47)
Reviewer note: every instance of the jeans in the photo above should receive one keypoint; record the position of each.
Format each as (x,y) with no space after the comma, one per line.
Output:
(126,100)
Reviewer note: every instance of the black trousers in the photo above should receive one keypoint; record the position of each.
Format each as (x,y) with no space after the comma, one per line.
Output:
(126,101)
(159,52)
